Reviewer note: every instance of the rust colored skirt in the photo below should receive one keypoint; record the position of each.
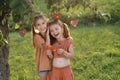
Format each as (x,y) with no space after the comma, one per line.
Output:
(61,74)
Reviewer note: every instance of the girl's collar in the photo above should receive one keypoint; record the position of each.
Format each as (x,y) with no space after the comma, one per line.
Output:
(61,40)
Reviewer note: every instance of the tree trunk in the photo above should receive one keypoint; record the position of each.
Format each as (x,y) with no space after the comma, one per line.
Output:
(4,54)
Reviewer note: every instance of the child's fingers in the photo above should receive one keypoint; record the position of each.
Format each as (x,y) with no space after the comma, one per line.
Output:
(36,30)
(50,56)
(47,37)
(48,31)
(60,51)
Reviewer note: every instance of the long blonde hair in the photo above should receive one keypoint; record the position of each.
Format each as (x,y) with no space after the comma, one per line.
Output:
(36,18)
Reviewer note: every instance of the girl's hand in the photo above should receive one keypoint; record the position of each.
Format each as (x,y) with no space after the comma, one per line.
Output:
(47,37)
(47,32)
(60,51)
(49,54)
(36,30)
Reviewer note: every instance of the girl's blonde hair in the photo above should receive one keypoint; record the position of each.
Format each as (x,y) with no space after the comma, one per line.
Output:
(66,32)
(36,18)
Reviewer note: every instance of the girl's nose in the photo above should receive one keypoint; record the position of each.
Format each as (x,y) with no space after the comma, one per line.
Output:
(55,32)
(44,26)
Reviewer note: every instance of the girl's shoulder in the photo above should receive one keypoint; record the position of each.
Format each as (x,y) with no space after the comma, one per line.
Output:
(37,36)
(70,39)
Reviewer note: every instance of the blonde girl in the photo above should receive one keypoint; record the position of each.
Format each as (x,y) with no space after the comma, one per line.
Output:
(39,30)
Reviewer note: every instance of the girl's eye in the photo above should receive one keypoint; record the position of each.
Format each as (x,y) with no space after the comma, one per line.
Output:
(37,24)
(43,23)
(56,28)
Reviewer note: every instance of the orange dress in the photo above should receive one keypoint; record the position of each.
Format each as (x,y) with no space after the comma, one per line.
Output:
(64,73)
(42,60)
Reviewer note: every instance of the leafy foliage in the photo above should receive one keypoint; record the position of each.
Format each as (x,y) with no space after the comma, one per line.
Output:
(16,11)
(87,11)
(19,9)
(59,4)
(111,7)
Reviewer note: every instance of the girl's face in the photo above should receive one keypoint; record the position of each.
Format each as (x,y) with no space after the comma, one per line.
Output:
(56,31)
(41,26)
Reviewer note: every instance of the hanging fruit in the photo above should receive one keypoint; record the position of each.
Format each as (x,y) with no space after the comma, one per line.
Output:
(56,15)
(22,32)
(74,22)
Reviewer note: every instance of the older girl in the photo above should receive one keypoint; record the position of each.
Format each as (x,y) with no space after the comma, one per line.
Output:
(39,30)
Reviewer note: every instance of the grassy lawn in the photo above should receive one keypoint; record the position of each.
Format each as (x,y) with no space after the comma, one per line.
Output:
(97,54)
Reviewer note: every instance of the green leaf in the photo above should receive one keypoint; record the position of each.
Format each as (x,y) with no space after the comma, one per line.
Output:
(17,26)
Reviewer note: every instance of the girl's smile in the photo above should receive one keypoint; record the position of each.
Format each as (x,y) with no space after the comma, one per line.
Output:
(56,34)
(41,26)
(56,31)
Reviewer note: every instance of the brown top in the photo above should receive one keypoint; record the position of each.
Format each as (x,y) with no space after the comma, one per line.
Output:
(42,60)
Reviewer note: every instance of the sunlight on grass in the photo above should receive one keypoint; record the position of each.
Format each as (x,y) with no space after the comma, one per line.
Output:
(97,54)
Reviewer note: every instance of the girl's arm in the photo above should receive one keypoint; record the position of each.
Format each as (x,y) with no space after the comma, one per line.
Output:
(47,37)
(69,53)
(38,41)
(49,52)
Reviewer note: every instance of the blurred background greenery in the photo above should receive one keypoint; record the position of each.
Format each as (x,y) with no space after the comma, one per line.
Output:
(96,39)
(86,12)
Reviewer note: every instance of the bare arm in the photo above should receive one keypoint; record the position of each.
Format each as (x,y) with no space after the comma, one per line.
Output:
(69,53)
(49,52)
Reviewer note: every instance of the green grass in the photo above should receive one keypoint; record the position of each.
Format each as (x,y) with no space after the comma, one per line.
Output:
(96,49)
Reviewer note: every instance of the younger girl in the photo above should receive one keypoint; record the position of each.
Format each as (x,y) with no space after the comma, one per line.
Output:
(62,47)
(43,63)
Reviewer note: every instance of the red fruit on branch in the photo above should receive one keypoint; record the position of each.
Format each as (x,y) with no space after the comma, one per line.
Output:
(56,15)
(22,32)
(74,22)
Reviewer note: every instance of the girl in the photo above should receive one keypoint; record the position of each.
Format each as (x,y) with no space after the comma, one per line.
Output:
(62,47)
(43,63)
